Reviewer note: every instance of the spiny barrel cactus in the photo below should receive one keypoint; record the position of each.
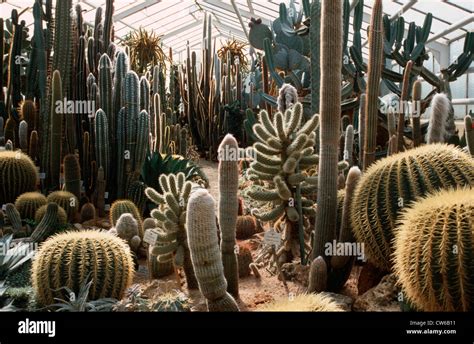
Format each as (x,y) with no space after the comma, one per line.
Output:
(18,175)
(205,253)
(127,229)
(67,201)
(246,226)
(87,212)
(123,206)
(172,241)
(393,183)
(66,259)
(434,250)
(61,215)
(303,303)
(28,203)
(228,179)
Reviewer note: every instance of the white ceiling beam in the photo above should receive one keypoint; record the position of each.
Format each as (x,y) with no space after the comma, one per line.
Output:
(182,29)
(137,8)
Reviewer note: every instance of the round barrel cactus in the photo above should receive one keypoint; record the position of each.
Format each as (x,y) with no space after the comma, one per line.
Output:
(434,251)
(28,203)
(18,175)
(393,183)
(66,259)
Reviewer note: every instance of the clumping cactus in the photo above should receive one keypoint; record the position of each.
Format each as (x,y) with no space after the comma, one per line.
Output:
(228,179)
(127,229)
(287,96)
(433,254)
(172,244)
(440,106)
(393,183)
(107,258)
(303,303)
(28,202)
(246,227)
(205,253)
(87,212)
(66,200)
(61,215)
(18,175)
(123,206)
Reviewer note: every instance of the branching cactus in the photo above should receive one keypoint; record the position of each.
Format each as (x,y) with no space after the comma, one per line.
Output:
(433,251)
(228,179)
(205,253)
(172,242)
(283,146)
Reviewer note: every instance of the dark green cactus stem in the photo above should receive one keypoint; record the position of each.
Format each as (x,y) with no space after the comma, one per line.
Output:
(132,109)
(142,139)
(403,99)
(121,69)
(40,46)
(10,130)
(62,58)
(13,217)
(102,145)
(373,83)
(136,193)
(100,191)
(121,152)
(2,49)
(85,161)
(144,94)
(23,136)
(105,89)
(47,225)
(87,212)
(331,64)
(469,132)
(33,146)
(72,175)
(416,113)
(91,55)
(361,127)
(228,179)
(314,39)
(108,23)
(317,275)
(55,132)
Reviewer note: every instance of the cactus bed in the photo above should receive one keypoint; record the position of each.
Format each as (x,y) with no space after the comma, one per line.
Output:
(272,170)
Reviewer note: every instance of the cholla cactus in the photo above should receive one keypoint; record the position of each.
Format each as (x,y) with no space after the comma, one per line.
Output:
(171,216)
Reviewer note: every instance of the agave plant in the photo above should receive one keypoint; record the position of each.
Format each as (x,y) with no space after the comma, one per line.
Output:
(157,164)
(237,49)
(12,258)
(145,50)
(80,302)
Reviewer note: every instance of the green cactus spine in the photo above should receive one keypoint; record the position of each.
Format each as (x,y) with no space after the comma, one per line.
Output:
(72,175)
(205,254)
(28,203)
(18,175)
(331,64)
(433,254)
(393,183)
(228,179)
(373,83)
(106,258)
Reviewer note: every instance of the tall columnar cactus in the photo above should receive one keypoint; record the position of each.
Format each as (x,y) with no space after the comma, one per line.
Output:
(141,143)
(331,64)
(469,132)
(100,191)
(105,89)
(393,183)
(349,145)
(136,193)
(102,144)
(28,203)
(66,200)
(13,217)
(48,223)
(205,254)
(121,69)
(433,254)
(28,113)
(123,206)
(228,179)
(132,110)
(171,216)
(440,107)
(18,175)
(376,59)
(144,94)
(416,113)
(121,151)
(62,58)
(55,129)
(314,39)
(106,258)
(33,147)
(108,23)
(72,175)
(23,136)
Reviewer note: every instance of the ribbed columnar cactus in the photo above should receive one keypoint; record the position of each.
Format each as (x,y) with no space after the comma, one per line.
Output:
(13,217)
(59,214)
(228,179)
(469,132)
(374,72)
(48,223)
(416,113)
(314,41)
(434,249)
(136,193)
(17,174)
(33,147)
(142,140)
(105,89)
(28,203)
(123,206)
(330,108)
(391,184)
(23,136)
(171,216)
(440,106)
(102,143)
(121,151)
(100,256)
(349,145)
(55,130)
(72,175)
(205,253)
(62,57)
(66,200)
(144,94)
(121,69)
(132,110)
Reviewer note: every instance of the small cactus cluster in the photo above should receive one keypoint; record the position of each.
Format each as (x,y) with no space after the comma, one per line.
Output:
(172,244)
(433,251)
(120,207)
(393,183)
(66,259)
(126,228)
